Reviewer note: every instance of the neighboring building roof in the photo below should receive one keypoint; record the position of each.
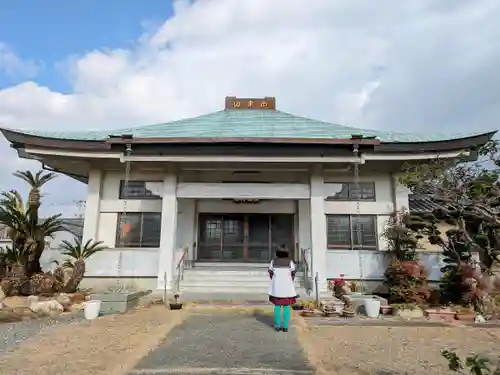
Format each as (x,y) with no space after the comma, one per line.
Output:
(239,124)
(426,204)
(73,225)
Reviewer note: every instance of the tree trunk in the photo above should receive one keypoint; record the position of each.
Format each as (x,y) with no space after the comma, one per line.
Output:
(33,267)
(76,278)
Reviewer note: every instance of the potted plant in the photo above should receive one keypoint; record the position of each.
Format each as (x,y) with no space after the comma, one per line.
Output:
(298,306)
(407,311)
(349,310)
(341,287)
(309,308)
(329,309)
(386,309)
(443,313)
(465,313)
(356,288)
(176,305)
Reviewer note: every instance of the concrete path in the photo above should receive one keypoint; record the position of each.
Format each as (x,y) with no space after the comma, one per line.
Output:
(226,344)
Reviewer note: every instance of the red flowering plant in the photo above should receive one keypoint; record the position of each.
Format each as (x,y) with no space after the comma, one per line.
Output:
(339,285)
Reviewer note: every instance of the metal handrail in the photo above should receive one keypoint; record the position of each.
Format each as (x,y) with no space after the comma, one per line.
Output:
(307,270)
(180,268)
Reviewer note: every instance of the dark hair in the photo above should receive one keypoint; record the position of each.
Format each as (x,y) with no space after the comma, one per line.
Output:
(282,252)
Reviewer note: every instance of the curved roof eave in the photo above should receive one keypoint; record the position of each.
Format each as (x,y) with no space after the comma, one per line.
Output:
(441,145)
(21,139)
(18,138)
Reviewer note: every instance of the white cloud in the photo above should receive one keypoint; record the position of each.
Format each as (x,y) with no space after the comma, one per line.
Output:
(13,66)
(392,65)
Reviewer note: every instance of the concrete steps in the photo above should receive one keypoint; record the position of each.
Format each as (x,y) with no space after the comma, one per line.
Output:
(233,279)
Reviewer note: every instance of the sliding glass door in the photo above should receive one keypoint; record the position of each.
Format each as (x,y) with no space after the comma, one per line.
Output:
(244,237)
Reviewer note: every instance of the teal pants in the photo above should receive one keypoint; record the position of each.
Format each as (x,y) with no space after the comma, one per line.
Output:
(286,316)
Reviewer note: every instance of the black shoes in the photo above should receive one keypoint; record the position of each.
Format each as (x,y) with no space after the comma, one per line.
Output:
(281,329)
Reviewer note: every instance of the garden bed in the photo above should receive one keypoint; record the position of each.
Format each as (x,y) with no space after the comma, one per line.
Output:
(17,308)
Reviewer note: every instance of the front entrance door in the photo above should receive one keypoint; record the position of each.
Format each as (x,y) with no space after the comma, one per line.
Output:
(243,237)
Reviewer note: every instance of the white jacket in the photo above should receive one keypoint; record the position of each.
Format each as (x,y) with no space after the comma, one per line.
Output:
(282,284)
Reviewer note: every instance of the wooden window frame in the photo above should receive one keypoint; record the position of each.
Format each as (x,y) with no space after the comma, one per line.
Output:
(349,187)
(351,246)
(118,243)
(121,192)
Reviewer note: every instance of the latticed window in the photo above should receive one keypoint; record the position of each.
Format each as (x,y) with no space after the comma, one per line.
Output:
(141,190)
(351,231)
(138,229)
(349,191)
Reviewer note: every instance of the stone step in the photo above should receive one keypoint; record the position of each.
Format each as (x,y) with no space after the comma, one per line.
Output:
(228,276)
(264,266)
(230,270)
(235,289)
(231,274)
(224,284)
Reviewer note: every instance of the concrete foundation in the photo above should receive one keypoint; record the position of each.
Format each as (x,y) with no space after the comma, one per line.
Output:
(116,302)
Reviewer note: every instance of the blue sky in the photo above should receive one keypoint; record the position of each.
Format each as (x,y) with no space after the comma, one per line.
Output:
(49,32)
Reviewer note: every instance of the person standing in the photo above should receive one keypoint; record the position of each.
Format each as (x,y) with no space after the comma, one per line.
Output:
(282,292)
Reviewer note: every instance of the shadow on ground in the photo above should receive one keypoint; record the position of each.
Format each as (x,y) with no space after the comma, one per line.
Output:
(265,319)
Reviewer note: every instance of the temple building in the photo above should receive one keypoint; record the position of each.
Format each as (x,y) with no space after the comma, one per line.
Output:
(203,203)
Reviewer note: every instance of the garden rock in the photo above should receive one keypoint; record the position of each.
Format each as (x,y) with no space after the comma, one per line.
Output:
(77,297)
(64,300)
(2,297)
(7,287)
(44,307)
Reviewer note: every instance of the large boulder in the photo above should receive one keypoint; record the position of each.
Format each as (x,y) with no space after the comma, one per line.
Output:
(2,297)
(7,287)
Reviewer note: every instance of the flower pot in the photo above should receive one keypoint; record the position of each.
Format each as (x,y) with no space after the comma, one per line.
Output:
(466,316)
(91,309)
(348,313)
(440,315)
(386,310)
(307,313)
(372,307)
(297,307)
(175,306)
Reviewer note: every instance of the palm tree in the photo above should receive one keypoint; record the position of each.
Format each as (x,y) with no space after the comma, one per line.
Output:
(78,253)
(36,182)
(25,230)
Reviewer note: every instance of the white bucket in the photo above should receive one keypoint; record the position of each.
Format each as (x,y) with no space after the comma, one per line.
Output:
(91,309)
(372,307)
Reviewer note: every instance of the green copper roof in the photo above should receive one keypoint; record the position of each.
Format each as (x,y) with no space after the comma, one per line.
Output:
(250,124)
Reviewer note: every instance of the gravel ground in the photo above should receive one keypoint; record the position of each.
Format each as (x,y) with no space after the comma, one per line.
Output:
(393,350)
(13,334)
(110,345)
(227,344)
